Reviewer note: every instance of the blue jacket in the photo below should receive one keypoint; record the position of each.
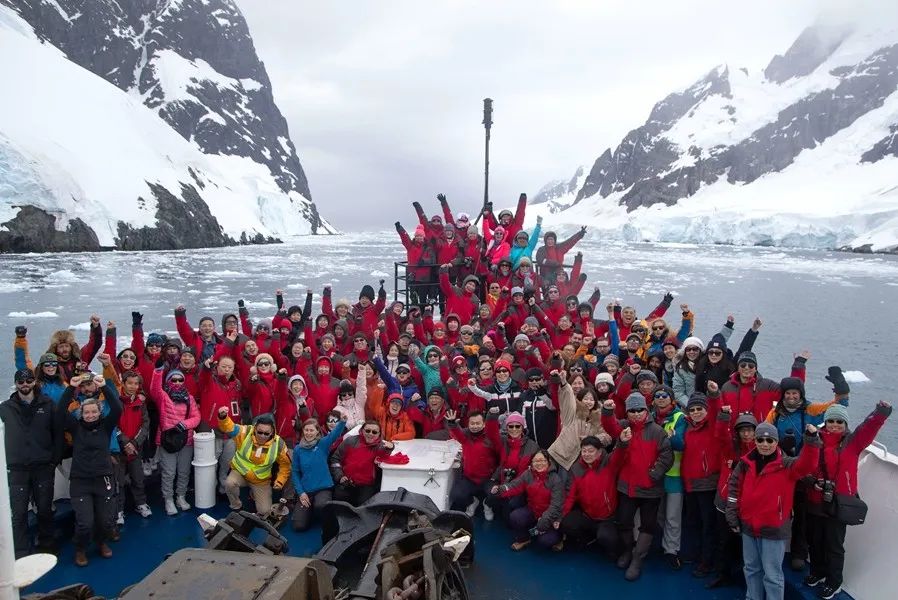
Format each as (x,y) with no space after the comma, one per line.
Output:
(431,375)
(517,253)
(793,423)
(309,470)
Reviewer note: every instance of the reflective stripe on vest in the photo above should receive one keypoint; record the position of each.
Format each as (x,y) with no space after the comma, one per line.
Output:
(242,459)
(669,426)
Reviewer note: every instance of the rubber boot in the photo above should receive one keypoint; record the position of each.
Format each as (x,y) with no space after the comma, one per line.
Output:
(643,544)
(626,538)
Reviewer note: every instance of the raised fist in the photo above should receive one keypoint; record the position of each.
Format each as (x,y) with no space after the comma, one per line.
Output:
(626,434)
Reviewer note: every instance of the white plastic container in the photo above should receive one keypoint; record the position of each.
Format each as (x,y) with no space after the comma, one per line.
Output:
(430,470)
(203,447)
(205,482)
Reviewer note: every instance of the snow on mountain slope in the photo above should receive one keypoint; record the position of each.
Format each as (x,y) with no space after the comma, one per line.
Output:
(80,148)
(801,154)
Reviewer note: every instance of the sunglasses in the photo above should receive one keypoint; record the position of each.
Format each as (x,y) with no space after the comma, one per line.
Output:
(658,328)
(502,371)
(836,421)
(513,426)
(371,431)
(765,440)
(176,380)
(360,341)
(696,409)
(715,352)
(263,363)
(402,371)
(53,363)
(466,333)
(577,369)
(748,366)
(693,349)
(332,421)
(662,395)
(26,380)
(264,433)
(534,379)
(635,410)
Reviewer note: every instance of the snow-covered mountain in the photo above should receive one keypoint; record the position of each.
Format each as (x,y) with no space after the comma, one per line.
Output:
(141,124)
(803,153)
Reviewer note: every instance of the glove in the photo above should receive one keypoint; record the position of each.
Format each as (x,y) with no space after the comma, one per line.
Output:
(668,298)
(21,331)
(398,226)
(835,377)
(136,319)
(382,282)
(583,230)
(241,303)
(441,198)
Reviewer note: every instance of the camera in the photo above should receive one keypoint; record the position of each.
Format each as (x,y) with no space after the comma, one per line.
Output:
(829,488)
(787,443)
(509,473)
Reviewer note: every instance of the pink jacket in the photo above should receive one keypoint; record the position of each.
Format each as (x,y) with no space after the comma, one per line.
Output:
(170,412)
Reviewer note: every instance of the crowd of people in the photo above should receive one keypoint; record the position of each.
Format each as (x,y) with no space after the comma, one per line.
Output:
(577,431)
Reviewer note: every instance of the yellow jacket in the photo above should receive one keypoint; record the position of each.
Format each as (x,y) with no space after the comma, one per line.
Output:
(253,460)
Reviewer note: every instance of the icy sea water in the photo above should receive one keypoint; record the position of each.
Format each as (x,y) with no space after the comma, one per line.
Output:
(842,307)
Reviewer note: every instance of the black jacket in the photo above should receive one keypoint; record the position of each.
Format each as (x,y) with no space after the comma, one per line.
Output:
(540,415)
(33,432)
(90,444)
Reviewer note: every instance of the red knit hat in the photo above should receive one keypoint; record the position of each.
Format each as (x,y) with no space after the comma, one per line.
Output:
(502,364)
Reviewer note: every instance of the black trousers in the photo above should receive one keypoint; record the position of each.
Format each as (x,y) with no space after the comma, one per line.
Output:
(94,503)
(464,490)
(648,514)
(701,526)
(581,529)
(827,548)
(503,506)
(354,494)
(728,552)
(302,516)
(34,484)
(799,543)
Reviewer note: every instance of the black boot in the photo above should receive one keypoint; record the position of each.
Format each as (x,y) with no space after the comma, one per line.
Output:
(643,544)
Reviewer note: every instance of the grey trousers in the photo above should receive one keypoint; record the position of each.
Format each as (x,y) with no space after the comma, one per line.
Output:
(224,451)
(672,522)
(175,464)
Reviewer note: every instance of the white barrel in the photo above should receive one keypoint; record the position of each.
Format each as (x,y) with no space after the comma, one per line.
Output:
(205,482)
(203,447)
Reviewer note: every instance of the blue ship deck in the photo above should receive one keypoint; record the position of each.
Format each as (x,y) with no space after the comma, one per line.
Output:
(497,573)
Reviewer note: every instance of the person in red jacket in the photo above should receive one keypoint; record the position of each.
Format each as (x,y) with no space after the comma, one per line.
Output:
(461,301)
(512,223)
(262,386)
(591,503)
(219,387)
(134,428)
(759,504)
(550,257)
(737,438)
(353,464)
(700,473)
(515,451)
(480,455)
(366,312)
(417,252)
(544,489)
(432,418)
(641,482)
(836,476)
(747,391)
(324,388)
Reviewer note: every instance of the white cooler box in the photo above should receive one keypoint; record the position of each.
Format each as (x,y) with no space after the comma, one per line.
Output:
(430,470)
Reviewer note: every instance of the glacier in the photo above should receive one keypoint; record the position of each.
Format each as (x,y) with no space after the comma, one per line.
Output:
(739,159)
(81,149)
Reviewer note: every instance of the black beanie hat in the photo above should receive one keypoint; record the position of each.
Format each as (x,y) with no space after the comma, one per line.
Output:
(367,292)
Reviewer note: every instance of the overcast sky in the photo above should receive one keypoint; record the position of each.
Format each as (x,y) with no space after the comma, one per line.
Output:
(384,99)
